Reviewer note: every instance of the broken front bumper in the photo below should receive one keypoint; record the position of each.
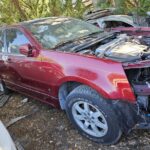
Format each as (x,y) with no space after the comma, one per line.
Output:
(130,116)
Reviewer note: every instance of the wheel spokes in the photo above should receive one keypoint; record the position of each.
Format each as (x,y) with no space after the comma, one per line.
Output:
(94,128)
(79,117)
(90,118)
(79,109)
(101,125)
(86,124)
(96,114)
(86,107)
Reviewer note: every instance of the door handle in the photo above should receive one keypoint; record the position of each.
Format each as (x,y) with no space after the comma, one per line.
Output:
(8,60)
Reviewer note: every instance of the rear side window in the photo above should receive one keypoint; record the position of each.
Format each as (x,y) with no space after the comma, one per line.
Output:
(1,42)
(14,39)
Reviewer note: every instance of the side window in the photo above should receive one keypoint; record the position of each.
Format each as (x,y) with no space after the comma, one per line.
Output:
(14,39)
(1,42)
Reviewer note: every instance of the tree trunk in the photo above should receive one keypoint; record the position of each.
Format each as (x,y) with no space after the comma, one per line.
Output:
(17,5)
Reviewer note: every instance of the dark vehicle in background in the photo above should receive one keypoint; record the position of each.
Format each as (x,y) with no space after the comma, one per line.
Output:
(101,80)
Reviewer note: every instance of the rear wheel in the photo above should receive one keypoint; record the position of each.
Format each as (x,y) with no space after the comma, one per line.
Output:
(92,115)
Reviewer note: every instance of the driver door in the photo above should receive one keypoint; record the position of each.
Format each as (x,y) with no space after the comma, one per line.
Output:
(23,70)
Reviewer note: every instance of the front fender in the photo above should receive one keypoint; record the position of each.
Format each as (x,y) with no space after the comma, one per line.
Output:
(110,81)
(85,82)
(107,77)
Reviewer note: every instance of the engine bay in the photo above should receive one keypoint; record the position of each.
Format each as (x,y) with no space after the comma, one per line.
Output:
(139,79)
(123,48)
(115,46)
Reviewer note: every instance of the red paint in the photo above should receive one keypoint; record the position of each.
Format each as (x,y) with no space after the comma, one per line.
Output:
(144,31)
(138,64)
(42,75)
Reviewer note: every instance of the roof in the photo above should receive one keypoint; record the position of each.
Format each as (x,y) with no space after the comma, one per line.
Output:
(50,20)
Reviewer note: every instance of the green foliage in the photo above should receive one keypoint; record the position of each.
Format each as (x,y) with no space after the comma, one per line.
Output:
(20,10)
(6,12)
(104,4)
(139,7)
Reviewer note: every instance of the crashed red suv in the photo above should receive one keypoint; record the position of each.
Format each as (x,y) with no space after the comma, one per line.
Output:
(101,80)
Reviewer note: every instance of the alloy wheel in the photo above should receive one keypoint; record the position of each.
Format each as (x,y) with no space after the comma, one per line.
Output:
(90,119)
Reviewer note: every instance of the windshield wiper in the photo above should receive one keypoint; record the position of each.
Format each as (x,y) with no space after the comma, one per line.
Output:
(92,42)
(64,42)
(93,33)
(76,39)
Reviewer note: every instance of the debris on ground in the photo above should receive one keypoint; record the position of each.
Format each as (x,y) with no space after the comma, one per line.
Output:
(3,99)
(1,93)
(50,129)
(14,120)
(18,145)
(25,100)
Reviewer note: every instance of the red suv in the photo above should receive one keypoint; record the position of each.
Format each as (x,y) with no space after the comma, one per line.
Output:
(101,80)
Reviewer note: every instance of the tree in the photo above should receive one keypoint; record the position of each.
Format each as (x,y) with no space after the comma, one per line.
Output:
(139,7)
(18,7)
(21,10)
(8,13)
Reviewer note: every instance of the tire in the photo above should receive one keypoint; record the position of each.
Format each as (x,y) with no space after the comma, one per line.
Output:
(4,89)
(87,110)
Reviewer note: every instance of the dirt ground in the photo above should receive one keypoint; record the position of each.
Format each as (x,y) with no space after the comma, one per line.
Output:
(49,129)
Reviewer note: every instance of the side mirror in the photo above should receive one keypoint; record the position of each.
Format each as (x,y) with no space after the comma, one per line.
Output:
(27,50)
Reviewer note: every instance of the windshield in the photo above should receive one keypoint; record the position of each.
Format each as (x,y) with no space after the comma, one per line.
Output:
(54,31)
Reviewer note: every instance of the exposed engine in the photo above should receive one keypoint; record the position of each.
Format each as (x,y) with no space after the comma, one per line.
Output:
(115,46)
(123,48)
(140,81)
(132,51)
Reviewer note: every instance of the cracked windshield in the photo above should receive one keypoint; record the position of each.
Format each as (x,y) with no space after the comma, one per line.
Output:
(55,31)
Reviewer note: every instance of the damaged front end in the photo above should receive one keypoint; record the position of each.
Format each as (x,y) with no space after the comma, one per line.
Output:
(138,74)
(112,45)
(134,54)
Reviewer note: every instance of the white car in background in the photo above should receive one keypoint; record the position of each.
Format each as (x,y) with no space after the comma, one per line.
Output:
(6,142)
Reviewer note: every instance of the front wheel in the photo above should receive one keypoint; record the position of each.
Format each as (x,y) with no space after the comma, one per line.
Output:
(92,116)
